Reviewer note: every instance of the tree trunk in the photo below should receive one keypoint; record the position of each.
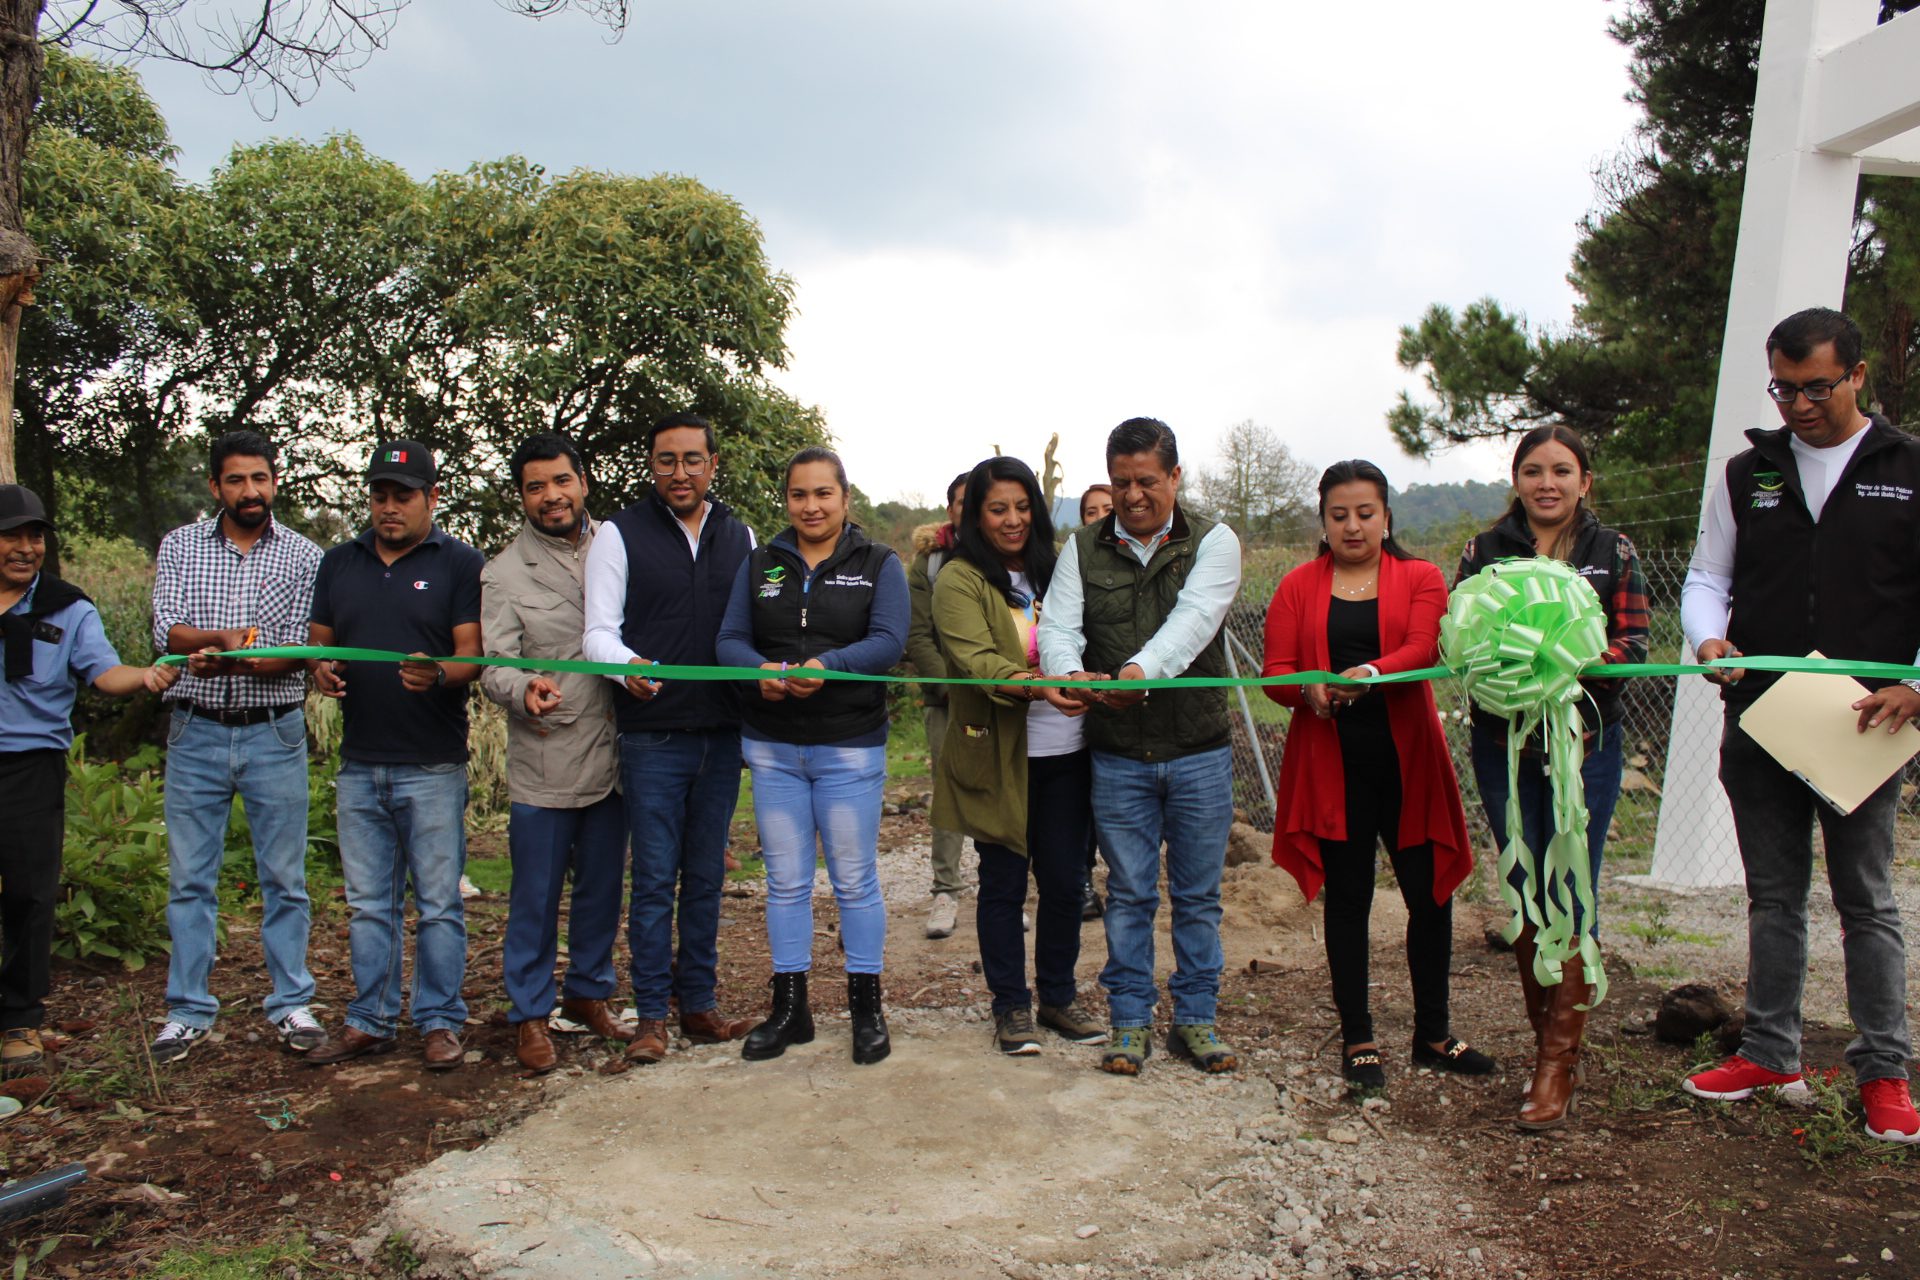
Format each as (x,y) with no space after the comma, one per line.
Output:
(21,63)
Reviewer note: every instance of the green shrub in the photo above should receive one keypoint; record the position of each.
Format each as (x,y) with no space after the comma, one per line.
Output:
(113,896)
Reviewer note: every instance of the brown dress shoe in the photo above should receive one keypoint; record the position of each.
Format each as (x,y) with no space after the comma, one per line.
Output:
(596,1017)
(649,1042)
(535,1047)
(353,1043)
(442,1050)
(710,1026)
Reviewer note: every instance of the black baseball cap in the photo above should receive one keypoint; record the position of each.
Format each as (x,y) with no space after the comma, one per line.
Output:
(406,462)
(20,505)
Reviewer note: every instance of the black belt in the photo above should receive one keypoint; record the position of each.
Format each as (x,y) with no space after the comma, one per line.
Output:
(240,716)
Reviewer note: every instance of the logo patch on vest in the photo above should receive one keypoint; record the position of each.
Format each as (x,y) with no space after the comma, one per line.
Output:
(776,578)
(1770,484)
(1898,492)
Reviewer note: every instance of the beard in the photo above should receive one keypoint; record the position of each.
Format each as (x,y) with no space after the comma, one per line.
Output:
(558,524)
(250,515)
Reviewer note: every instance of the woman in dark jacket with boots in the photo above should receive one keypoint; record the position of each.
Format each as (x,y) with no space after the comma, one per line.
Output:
(1549,517)
(821,595)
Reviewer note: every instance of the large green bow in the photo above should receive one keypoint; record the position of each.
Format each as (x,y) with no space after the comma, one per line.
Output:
(1517,634)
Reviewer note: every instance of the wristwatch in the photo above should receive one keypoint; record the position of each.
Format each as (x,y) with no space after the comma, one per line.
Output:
(439,676)
(1912,684)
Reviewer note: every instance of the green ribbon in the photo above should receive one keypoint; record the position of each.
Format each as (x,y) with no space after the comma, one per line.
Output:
(1519,634)
(671,671)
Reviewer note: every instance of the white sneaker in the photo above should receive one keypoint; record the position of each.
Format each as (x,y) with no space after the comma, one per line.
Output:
(300,1032)
(174,1041)
(468,889)
(943,916)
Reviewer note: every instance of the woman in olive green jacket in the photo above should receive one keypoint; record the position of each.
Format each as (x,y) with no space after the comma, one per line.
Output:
(1014,771)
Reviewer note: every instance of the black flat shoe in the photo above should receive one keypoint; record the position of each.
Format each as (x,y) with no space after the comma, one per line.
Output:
(1364,1071)
(1456,1056)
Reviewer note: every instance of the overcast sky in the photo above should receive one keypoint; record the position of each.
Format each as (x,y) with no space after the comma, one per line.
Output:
(1012,218)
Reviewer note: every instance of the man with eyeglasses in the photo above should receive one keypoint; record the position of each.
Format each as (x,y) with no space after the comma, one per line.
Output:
(657,586)
(1809,544)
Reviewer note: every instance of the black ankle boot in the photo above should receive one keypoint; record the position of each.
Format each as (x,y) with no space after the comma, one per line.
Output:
(791,1021)
(870,1040)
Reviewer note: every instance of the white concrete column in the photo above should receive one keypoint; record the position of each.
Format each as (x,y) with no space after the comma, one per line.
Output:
(1796,228)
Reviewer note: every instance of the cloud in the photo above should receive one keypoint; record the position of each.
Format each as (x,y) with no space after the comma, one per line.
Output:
(1007,219)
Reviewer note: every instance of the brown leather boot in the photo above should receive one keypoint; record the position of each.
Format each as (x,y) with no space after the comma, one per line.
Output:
(712,1027)
(596,1017)
(441,1050)
(1550,1098)
(649,1043)
(1537,997)
(535,1046)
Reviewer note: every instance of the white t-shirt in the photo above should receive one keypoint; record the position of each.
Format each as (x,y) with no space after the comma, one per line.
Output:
(1049,731)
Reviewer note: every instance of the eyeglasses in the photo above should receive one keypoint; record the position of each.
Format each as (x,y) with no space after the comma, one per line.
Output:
(693,463)
(1815,392)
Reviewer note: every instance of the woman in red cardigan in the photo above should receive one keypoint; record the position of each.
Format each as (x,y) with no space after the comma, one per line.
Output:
(1365,765)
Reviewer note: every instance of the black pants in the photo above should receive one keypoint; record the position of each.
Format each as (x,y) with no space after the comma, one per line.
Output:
(33,819)
(1059,815)
(1373,817)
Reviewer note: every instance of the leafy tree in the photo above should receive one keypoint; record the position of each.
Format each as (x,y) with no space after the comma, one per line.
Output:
(1636,369)
(1256,484)
(318,293)
(270,49)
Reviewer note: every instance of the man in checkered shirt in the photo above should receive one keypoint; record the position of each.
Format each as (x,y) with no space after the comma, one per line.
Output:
(237,727)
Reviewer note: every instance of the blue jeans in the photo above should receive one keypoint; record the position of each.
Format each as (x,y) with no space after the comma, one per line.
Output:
(266,766)
(1601,775)
(545,844)
(1188,803)
(401,823)
(805,798)
(681,788)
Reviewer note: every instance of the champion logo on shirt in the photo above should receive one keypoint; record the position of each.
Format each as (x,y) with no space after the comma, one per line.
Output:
(420,584)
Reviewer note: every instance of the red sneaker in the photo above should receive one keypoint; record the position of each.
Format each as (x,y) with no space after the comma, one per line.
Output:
(1736,1078)
(1890,1113)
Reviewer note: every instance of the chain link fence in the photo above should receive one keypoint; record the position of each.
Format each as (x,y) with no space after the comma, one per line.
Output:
(1647,714)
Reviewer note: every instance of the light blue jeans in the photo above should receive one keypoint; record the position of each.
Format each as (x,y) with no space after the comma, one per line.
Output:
(265,764)
(401,823)
(810,797)
(1188,803)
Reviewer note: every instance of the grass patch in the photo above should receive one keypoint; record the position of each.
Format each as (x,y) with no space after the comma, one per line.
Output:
(1830,1129)
(256,1263)
(1657,931)
(490,875)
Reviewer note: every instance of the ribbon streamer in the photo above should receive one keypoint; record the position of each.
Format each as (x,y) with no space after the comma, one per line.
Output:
(670,671)
(1519,634)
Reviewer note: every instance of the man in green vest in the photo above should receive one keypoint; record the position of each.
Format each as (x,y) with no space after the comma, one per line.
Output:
(1144,594)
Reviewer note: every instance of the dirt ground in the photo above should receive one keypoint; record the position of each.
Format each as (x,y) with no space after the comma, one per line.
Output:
(243,1157)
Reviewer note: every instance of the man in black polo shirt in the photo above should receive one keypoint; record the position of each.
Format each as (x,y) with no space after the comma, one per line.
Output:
(1810,542)
(402,585)
(657,585)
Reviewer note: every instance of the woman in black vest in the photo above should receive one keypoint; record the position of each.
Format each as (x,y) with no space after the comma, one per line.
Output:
(1549,517)
(820,596)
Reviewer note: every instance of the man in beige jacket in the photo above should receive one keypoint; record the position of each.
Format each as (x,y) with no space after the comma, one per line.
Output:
(562,757)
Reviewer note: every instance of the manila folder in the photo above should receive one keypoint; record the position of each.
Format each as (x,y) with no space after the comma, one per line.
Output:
(1806,721)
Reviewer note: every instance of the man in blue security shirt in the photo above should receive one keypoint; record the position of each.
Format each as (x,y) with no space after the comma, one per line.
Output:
(53,641)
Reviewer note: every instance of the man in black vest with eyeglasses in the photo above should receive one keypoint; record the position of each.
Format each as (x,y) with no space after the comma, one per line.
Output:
(657,585)
(1811,542)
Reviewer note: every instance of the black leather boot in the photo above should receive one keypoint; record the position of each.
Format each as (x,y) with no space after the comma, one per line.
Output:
(791,1021)
(870,1040)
